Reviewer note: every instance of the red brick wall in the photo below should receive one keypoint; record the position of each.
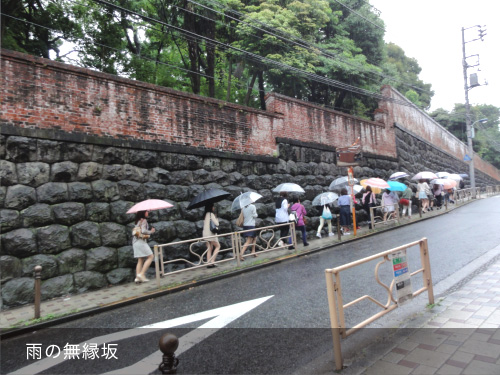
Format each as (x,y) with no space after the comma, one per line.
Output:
(40,93)
(312,123)
(419,123)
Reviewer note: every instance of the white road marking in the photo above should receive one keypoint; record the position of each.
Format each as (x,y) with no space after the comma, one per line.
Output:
(222,316)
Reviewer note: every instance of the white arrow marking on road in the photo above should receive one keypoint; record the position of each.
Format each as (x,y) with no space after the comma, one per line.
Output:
(222,317)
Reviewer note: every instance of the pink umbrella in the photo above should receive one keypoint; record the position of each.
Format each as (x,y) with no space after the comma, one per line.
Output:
(375,182)
(446,182)
(149,205)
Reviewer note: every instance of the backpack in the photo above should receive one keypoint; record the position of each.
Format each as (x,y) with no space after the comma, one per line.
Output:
(293,217)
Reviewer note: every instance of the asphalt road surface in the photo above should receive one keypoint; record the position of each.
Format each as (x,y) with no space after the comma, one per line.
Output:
(273,320)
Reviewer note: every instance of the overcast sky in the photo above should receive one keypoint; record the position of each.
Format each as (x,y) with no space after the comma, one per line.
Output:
(431,32)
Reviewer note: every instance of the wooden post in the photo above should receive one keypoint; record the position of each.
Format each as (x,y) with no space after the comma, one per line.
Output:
(157,264)
(38,290)
(350,173)
(427,277)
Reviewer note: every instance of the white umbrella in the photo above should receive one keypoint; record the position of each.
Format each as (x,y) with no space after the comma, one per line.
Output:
(340,183)
(454,176)
(397,175)
(424,176)
(245,199)
(289,187)
(442,174)
(357,188)
(324,198)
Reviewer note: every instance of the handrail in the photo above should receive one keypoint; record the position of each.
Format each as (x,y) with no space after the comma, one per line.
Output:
(268,242)
(401,270)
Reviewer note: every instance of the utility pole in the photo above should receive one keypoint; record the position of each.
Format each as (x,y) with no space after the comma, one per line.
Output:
(465,65)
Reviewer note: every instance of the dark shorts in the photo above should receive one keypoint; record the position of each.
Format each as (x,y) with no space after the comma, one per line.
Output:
(249,234)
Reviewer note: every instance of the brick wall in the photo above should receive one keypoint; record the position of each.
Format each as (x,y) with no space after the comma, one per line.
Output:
(423,126)
(43,94)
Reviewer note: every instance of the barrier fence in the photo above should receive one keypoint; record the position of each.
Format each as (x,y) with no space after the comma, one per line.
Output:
(402,281)
(230,244)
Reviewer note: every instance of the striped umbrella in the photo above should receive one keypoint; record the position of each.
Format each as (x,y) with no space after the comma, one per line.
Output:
(377,184)
(398,175)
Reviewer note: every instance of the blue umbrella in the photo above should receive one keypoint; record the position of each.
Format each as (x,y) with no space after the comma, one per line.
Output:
(396,186)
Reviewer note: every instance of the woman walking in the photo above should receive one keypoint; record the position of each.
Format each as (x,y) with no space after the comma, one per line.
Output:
(142,251)
(249,215)
(368,201)
(211,237)
(301,212)
(424,191)
(345,211)
(326,215)
(406,200)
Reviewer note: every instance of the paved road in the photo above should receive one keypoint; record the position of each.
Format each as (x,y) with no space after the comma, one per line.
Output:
(285,324)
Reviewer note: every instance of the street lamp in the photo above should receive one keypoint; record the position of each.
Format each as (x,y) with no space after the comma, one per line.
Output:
(482,121)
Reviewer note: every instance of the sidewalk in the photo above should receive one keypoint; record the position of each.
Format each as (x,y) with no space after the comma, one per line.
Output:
(462,336)
(79,305)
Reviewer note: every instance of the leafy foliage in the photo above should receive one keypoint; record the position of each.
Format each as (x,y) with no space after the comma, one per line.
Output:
(486,142)
(235,50)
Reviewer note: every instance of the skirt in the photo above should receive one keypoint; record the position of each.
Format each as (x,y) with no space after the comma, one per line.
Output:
(422,195)
(141,249)
(249,234)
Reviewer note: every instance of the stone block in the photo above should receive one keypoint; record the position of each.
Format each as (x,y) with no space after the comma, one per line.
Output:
(89,171)
(65,171)
(98,211)
(10,268)
(71,261)
(69,213)
(113,234)
(8,173)
(52,192)
(19,243)
(18,292)
(89,280)
(9,220)
(33,173)
(57,287)
(105,191)
(37,215)
(19,197)
(101,259)
(85,235)
(48,262)
(120,276)
(80,192)
(53,239)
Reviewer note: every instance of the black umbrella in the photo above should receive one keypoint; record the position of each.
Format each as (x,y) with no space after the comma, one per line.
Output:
(208,197)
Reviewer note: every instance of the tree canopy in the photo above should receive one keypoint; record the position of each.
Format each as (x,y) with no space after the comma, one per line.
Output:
(324,51)
(486,142)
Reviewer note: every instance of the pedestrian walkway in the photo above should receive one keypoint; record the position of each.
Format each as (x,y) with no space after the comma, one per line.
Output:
(461,336)
(107,298)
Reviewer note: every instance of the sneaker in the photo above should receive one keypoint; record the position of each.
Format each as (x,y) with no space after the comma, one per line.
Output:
(306,244)
(318,235)
(347,234)
(280,244)
(330,234)
(291,247)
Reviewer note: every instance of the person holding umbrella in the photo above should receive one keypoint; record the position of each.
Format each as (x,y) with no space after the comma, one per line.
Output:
(141,232)
(142,251)
(406,200)
(369,200)
(249,215)
(282,214)
(345,210)
(211,237)
(424,192)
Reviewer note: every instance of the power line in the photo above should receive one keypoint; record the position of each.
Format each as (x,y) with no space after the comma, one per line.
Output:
(301,43)
(264,60)
(359,15)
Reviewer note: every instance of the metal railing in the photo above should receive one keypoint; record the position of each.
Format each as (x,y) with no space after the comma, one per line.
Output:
(334,291)
(392,216)
(231,244)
